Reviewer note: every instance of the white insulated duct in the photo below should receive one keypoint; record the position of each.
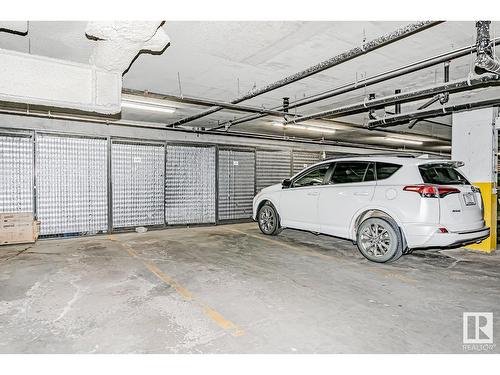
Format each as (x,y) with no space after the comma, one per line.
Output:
(40,80)
(118,42)
(94,87)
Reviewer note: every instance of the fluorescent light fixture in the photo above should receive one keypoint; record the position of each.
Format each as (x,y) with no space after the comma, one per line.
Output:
(402,140)
(147,106)
(304,127)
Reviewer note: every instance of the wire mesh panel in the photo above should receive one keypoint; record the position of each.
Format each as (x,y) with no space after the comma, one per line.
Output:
(71,178)
(236,184)
(272,167)
(333,155)
(16,174)
(303,159)
(138,183)
(190,185)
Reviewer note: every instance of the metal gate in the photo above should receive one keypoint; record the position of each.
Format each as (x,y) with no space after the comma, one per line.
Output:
(272,167)
(138,184)
(190,184)
(303,159)
(236,184)
(16,173)
(71,183)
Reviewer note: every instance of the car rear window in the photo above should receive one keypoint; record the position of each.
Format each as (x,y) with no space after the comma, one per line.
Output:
(386,170)
(442,174)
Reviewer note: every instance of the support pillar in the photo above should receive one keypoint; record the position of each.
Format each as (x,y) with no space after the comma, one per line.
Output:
(475,142)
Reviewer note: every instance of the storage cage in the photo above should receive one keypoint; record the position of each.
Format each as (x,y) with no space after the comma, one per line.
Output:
(71,184)
(304,159)
(138,184)
(190,185)
(16,173)
(272,167)
(236,187)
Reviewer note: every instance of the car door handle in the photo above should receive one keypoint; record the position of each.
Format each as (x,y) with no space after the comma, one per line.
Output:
(361,193)
(313,193)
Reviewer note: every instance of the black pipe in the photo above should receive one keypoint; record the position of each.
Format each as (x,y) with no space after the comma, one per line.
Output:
(377,78)
(397,106)
(447,71)
(372,45)
(431,113)
(286,104)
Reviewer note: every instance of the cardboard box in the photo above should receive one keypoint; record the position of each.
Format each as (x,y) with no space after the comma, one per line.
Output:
(15,217)
(18,228)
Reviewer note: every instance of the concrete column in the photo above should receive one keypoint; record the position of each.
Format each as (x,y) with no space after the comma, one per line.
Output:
(475,142)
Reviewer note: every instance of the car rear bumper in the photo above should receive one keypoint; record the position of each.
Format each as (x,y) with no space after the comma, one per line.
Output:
(427,236)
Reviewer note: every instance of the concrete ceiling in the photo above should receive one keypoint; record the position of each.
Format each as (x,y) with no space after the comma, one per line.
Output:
(223,60)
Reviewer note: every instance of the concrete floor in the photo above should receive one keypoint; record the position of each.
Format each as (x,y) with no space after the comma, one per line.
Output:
(229,289)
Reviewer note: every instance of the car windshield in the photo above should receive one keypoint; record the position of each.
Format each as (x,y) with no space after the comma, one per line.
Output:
(442,174)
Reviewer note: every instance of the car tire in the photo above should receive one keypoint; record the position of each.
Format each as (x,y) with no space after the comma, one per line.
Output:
(268,219)
(379,240)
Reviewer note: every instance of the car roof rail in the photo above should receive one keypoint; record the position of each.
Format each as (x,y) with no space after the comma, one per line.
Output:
(397,155)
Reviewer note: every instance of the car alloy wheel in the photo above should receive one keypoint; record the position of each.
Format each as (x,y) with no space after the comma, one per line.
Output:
(379,239)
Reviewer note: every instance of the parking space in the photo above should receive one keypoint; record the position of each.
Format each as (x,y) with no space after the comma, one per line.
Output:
(230,289)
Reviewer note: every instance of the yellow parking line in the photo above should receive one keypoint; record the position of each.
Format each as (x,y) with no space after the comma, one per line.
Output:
(217,317)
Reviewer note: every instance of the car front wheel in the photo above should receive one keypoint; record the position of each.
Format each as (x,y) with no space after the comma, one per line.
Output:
(268,220)
(379,240)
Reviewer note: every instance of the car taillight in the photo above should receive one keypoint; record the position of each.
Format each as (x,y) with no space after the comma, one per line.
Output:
(447,190)
(431,191)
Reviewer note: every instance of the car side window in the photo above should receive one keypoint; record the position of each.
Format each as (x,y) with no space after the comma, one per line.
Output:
(312,178)
(386,170)
(351,171)
(370,173)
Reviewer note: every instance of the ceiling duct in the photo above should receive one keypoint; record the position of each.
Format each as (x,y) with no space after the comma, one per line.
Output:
(486,61)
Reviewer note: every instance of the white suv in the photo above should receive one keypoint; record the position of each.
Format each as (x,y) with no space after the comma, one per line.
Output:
(388,206)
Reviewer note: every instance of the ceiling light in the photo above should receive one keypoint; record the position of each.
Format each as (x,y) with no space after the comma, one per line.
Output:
(147,106)
(304,127)
(402,140)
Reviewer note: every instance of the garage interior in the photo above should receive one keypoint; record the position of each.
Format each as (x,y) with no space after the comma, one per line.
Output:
(138,147)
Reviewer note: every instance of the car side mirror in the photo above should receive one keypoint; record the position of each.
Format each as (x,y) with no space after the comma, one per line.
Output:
(286,183)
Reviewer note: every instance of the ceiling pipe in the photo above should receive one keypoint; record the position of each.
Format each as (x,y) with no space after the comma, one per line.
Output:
(486,61)
(453,87)
(372,45)
(442,97)
(377,78)
(142,125)
(204,102)
(238,107)
(431,113)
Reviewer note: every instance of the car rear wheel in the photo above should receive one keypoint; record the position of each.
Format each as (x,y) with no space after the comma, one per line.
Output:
(379,240)
(268,220)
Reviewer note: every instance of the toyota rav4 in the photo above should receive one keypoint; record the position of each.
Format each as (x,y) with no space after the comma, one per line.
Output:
(387,206)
